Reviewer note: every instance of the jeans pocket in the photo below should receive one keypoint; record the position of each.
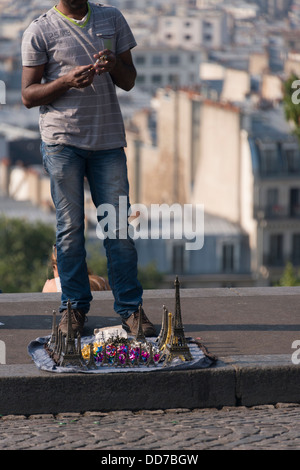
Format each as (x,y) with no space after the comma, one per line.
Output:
(48,151)
(53,149)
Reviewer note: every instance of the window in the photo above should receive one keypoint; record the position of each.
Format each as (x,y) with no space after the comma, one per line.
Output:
(157,60)
(140,79)
(273,208)
(272,196)
(276,250)
(156,79)
(295,202)
(228,258)
(174,80)
(293,160)
(140,60)
(296,249)
(174,60)
(270,161)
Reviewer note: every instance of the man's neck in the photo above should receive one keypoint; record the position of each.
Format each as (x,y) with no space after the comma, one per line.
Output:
(77,14)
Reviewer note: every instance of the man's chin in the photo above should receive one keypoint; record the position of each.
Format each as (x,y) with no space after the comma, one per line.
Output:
(76,4)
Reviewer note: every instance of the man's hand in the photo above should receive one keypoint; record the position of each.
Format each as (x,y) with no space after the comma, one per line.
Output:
(105,61)
(80,77)
(120,67)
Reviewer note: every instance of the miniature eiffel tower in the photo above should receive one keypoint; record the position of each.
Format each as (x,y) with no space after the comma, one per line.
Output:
(163,346)
(70,354)
(177,347)
(91,362)
(160,340)
(150,361)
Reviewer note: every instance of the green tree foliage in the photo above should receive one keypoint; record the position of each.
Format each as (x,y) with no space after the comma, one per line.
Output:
(96,261)
(25,252)
(289,276)
(149,276)
(291,108)
(25,248)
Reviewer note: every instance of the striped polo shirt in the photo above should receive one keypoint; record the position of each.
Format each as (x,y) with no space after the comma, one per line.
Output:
(87,118)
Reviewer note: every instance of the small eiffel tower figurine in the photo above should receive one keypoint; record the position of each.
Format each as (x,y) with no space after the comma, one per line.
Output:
(91,362)
(70,354)
(177,346)
(160,340)
(163,346)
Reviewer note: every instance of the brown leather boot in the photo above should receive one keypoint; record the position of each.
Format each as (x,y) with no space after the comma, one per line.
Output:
(130,324)
(77,321)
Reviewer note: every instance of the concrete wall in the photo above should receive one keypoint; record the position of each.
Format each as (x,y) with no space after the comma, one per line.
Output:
(271,88)
(162,173)
(258,63)
(217,182)
(236,85)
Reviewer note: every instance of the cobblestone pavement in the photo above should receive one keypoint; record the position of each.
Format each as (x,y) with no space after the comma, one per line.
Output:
(264,427)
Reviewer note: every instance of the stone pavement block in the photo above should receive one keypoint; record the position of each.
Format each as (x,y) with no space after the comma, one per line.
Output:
(266,379)
(61,393)
(255,428)
(229,321)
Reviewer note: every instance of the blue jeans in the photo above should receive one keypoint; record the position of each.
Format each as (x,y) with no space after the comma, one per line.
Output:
(106,172)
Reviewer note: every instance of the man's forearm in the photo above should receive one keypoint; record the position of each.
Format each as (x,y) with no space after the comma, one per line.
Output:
(123,75)
(35,93)
(40,94)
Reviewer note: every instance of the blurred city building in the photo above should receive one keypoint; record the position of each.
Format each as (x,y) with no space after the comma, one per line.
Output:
(205,125)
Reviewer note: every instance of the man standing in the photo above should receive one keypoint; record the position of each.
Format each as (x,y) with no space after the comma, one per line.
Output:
(83,135)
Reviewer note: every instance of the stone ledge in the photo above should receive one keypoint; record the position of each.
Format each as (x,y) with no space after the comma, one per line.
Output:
(166,293)
(233,381)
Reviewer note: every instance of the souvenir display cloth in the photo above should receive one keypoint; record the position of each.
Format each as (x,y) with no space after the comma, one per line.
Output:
(201,359)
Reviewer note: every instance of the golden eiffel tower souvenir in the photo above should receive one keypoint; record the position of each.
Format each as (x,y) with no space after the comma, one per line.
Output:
(163,347)
(160,340)
(177,345)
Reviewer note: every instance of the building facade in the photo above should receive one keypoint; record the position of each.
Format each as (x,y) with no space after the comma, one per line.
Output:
(242,163)
(160,66)
(202,28)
